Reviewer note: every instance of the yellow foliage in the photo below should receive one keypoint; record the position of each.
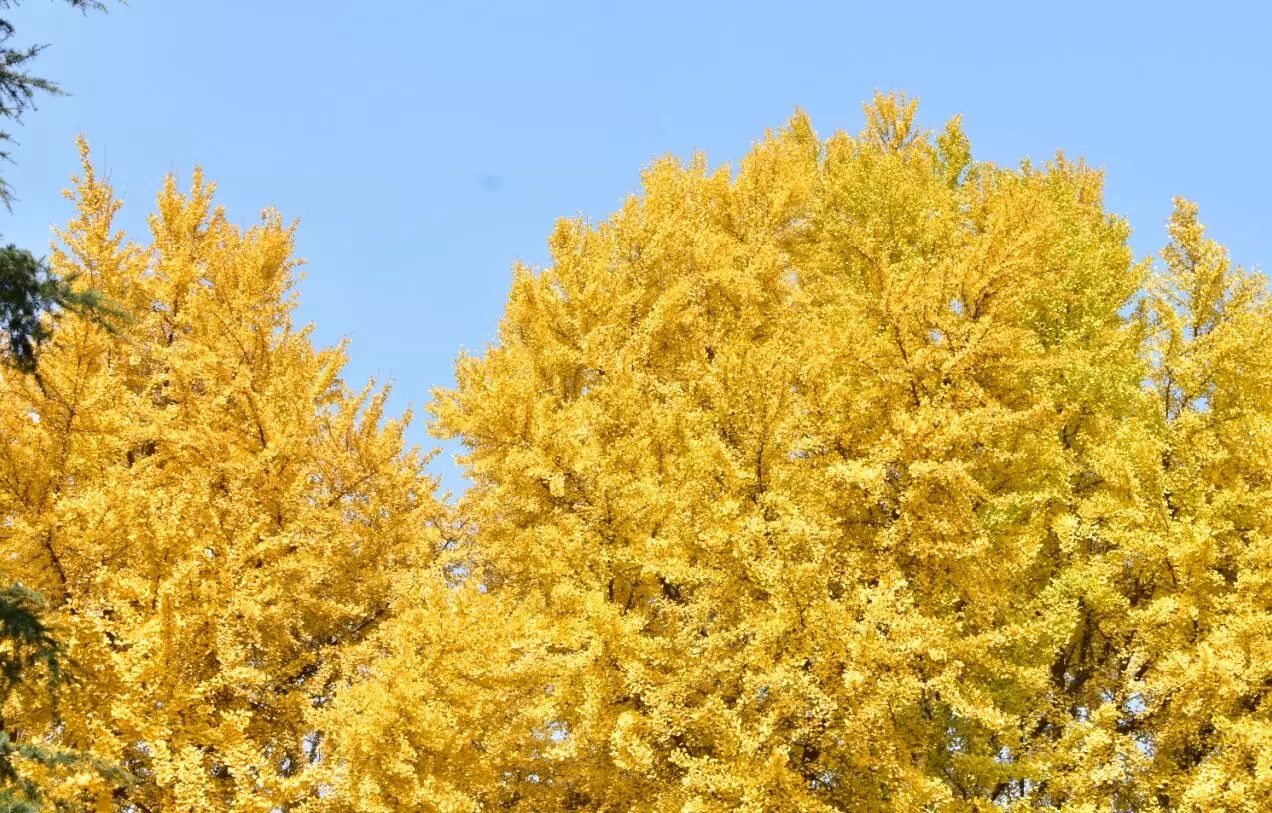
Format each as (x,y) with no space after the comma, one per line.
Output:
(209,510)
(863,477)
(870,477)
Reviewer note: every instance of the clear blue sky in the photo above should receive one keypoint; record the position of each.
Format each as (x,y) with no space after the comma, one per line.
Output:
(426,146)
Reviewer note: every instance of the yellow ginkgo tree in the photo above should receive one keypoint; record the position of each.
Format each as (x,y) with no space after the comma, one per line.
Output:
(868,476)
(210,513)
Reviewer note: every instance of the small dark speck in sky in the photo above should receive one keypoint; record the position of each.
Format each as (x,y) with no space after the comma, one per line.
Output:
(489,182)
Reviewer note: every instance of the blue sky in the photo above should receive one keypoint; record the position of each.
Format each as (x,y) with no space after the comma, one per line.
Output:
(425,146)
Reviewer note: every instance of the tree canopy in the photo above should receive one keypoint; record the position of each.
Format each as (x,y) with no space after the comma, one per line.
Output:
(864,476)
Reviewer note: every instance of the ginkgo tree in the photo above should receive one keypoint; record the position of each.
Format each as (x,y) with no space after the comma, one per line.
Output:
(869,476)
(210,513)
